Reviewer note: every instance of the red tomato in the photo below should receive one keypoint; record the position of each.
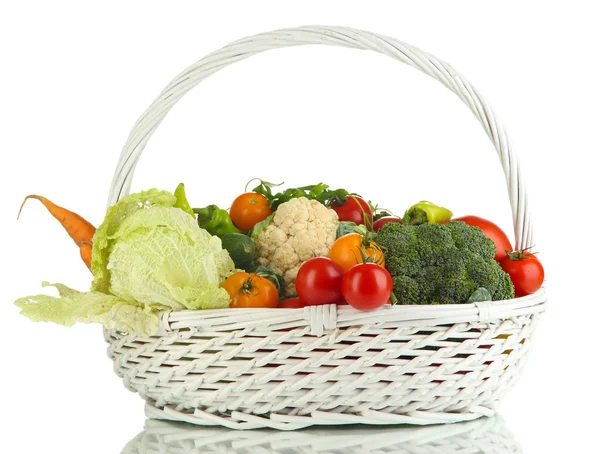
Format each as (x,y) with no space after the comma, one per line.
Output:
(367,286)
(525,271)
(249,209)
(492,231)
(319,281)
(355,209)
(291,303)
(379,223)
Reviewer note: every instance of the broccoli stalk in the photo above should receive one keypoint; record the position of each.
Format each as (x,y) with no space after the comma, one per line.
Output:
(441,263)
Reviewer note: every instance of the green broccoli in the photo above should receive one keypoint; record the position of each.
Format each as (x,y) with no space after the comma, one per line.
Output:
(441,263)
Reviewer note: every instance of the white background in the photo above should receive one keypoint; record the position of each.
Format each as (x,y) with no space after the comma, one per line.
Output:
(75,76)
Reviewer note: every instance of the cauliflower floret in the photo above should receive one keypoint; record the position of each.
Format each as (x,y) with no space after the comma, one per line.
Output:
(299,230)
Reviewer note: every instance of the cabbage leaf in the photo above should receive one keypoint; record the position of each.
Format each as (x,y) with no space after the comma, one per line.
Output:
(147,257)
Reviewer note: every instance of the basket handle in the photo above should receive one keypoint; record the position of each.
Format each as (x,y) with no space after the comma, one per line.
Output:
(336,36)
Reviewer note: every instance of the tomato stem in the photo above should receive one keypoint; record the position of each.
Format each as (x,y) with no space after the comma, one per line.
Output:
(520,254)
(248,288)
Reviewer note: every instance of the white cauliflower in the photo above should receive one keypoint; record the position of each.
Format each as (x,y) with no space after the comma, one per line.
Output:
(299,230)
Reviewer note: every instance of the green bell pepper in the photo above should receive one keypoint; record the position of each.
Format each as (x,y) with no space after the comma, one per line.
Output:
(215,220)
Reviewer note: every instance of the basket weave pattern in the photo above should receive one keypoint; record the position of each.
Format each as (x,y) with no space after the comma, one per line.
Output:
(291,368)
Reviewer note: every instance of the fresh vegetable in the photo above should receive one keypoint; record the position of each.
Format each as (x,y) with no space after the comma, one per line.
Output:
(241,249)
(298,230)
(525,271)
(181,200)
(441,263)
(355,209)
(481,294)
(379,213)
(319,281)
(379,223)
(344,228)
(291,303)
(493,232)
(250,290)
(80,230)
(249,209)
(319,192)
(272,275)
(147,257)
(72,306)
(215,220)
(367,286)
(426,212)
(354,248)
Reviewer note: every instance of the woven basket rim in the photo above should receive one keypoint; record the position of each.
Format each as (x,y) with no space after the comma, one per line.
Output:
(331,316)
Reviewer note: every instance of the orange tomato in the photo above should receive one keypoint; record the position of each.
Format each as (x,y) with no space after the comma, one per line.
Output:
(348,250)
(251,290)
(249,209)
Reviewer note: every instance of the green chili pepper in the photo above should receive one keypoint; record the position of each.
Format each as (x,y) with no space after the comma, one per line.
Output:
(215,220)
(426,212)
(181,200)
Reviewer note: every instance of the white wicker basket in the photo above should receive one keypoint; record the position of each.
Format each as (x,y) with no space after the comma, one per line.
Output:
(292,368)
(483,436)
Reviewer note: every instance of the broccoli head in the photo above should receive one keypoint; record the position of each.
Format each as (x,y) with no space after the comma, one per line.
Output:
(441,263)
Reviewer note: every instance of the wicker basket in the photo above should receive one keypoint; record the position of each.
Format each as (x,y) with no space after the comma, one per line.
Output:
(292,368)
(483,436)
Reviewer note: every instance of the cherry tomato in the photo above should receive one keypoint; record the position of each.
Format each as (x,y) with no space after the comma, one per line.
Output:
(251,290)
(348,250)
(492,231)
(367,287)
(379,223)
(291,303)
(319,281)
(249,209)
(355,209)
(525,271)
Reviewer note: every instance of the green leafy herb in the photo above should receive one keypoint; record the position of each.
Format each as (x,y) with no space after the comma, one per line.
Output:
(319,192)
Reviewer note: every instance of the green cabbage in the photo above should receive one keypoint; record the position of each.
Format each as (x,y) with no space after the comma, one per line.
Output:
(147,257)
(104,238)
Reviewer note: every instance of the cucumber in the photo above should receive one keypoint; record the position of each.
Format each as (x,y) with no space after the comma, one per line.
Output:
(241,249)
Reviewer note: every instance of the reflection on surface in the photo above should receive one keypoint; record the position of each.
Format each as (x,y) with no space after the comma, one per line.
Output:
(482,436)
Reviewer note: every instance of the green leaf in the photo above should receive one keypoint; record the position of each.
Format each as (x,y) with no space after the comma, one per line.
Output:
(345,227)
(272,275)
(90,307)
(481,294)
(260,227)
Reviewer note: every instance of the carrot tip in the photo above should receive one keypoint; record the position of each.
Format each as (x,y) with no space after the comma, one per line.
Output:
(31,196)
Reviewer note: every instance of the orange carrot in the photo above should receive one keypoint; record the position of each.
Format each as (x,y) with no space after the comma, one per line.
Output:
(80,230)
